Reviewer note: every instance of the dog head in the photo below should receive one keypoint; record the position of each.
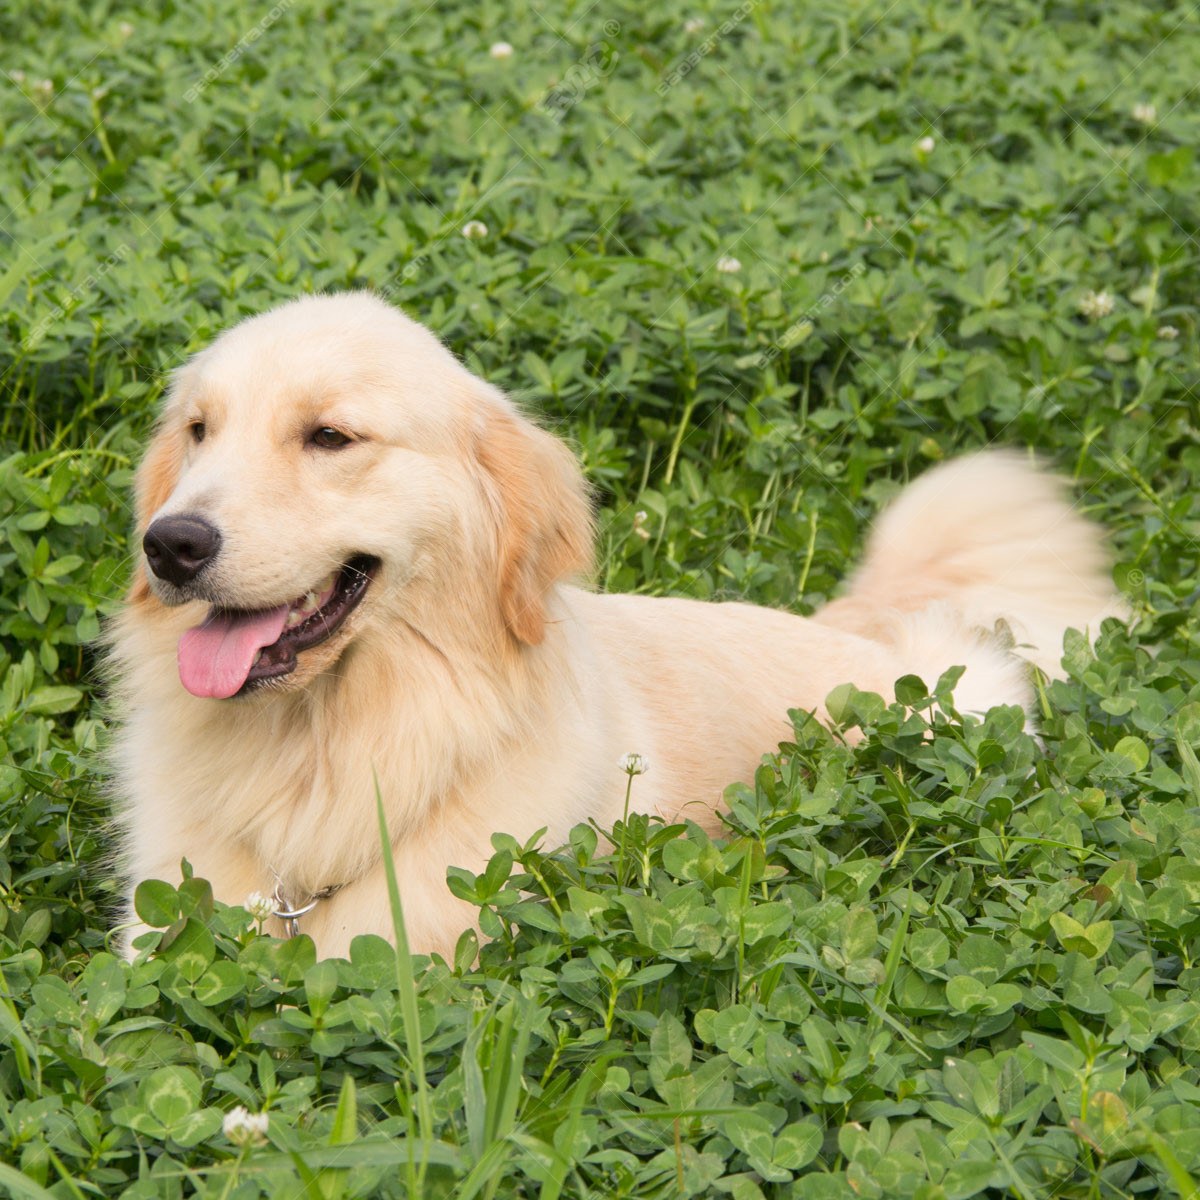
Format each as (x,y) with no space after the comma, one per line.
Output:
(328,468)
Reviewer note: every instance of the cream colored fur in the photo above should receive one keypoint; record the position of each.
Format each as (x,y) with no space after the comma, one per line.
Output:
(478,687)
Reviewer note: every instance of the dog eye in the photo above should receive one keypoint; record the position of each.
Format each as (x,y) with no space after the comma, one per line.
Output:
(328,438)
(197,430)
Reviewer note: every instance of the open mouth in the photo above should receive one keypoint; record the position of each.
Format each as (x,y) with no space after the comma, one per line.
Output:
(235,650)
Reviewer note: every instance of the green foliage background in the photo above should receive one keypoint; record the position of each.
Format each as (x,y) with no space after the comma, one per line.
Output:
(955,966)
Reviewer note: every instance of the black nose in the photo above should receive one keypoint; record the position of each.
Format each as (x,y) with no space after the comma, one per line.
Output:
(178,548)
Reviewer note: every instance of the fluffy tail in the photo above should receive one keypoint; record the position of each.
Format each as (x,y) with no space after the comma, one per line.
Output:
(985,539)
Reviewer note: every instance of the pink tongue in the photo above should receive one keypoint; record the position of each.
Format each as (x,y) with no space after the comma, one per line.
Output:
(215,658)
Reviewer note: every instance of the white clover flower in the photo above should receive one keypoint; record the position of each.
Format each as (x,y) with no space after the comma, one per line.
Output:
(501,50)
(17,76)
(474,230)
(260,907)
(926,145)
(634,764)
(728,265)
(1095,305)
(639,524)
(244,1128)
(1146,114)
(1168,333)
(125,29)
(693,25)
(45,86)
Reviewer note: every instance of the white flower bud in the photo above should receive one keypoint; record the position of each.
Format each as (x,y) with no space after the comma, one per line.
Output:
(244,1128)
(1095,305)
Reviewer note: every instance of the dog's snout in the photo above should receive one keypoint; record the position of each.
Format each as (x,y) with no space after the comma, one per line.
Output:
(178,548)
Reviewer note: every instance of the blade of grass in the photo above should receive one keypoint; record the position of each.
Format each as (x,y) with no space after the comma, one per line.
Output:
(584,1087)
(890,967)
(406,991)
(1181,1179)
(20,1186)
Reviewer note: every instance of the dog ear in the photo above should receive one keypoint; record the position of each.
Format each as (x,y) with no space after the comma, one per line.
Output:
(545,529)
(155,481)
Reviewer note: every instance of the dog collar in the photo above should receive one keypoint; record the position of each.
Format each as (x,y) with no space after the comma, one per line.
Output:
(290,913)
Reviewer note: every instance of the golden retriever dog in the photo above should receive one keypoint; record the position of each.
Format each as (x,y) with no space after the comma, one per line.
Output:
(360,573)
